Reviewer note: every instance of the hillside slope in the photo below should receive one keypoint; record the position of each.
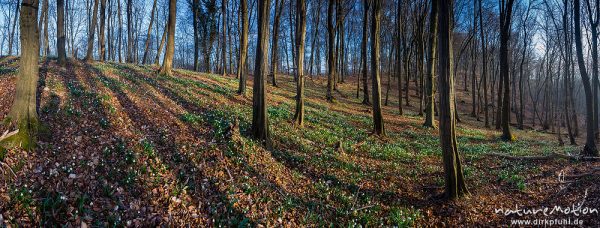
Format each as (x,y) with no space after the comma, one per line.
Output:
(127,147)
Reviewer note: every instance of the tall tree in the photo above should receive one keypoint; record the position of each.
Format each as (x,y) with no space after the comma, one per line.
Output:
(23,113)
(399,42)
(365,38)
(11,37)
(162,43)
(60,32)
(330,50)
(242,67)
(130,36)
(379,128)
(169,51)
(429,93)
(506,7)
(454,178)
(91,32)
(224,37)
(275,49)
(590,143)
(594,18)
(260,121)
(148,37)
(483,66)
(101,43)
(300,36)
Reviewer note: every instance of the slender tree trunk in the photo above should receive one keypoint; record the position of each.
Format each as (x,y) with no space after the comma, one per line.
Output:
(275,48)
(505,17)
(484,67)
(365,38)
(170,50)
(91,32)
(11,37)
(162,43)
(23,113)
(454,178)
(196,24)
(315,37)
(300,36)
(399,42)
(242,67)
(224,40)
(148,36)
(378,122)
(330,50)
(429,93)
(60,32)
(590,144)
(101,43)
(260,121)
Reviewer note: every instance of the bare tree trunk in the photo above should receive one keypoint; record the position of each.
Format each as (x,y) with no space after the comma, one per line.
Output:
(315,37)
(260,121)
(330,50)
(429,93)
(399,65)
(242,67)
(60,32)
(224,40)
(148,37)
(505,17)
(168,59)
(590,144)
(23,113)
(101,45)
(130,38)
(300,36)
(275,48)
(162,43)
(91,31)
(365,38)
(484,67)
(11,37)
(378,127)
(454,178)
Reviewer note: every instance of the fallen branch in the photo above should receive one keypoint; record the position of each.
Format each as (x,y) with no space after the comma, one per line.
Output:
(8,134)
(594,170)
(543,157)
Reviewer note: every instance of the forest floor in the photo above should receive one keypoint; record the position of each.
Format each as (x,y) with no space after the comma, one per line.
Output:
(124,146)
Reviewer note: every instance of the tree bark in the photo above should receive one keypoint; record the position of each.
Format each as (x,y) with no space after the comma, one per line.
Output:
(260,121)
(162,43)
(505,25)
(275,48)
(60,32)
(148,36)
(455,186)
(91,32)
(330,50)
(429,93)
(378,122)
(242,67)
(23,113)
(101,43)
(300,38)
(365,38)
(169,51)
(590,145)
(224,40)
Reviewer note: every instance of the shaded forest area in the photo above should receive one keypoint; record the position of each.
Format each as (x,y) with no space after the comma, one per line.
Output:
(299,113)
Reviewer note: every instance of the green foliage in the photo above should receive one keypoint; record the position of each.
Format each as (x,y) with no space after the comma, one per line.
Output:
(404,217)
